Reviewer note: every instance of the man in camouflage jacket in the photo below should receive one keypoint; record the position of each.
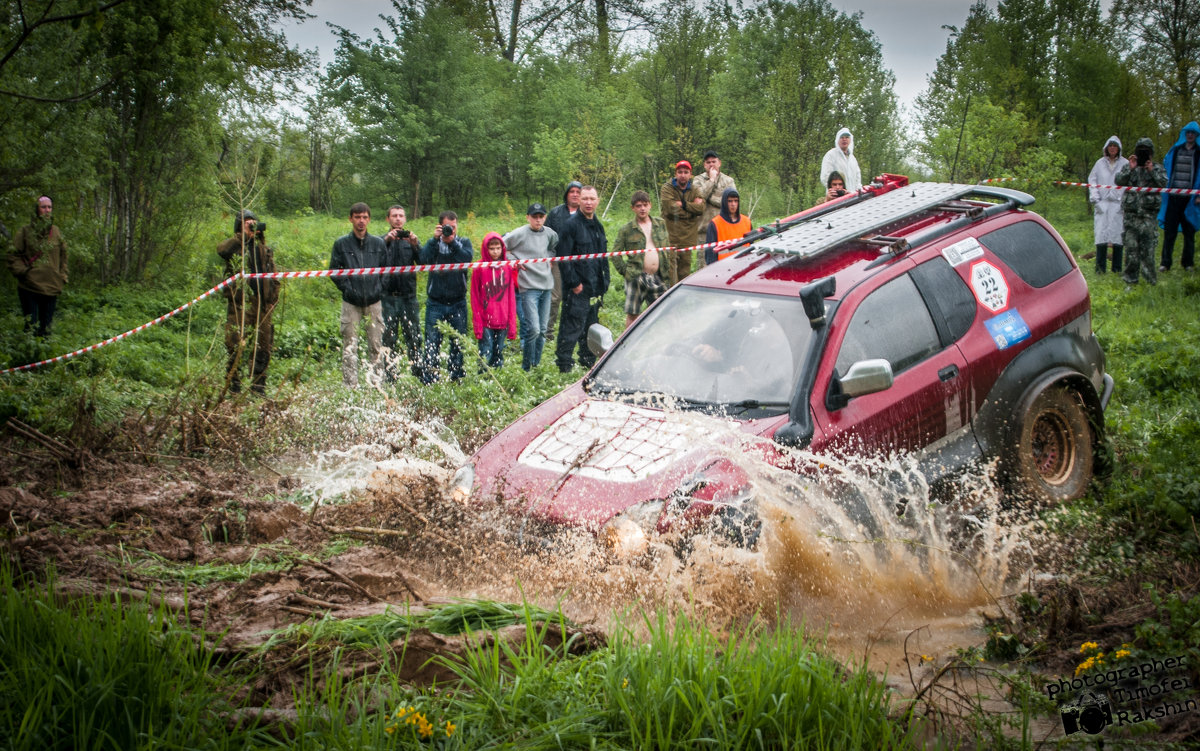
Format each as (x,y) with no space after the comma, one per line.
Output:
(251,301)
(1141,211)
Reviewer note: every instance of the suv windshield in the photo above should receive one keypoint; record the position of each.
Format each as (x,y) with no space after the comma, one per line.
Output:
(712,348)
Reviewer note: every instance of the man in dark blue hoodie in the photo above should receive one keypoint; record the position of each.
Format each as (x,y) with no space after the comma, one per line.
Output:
(446,298)
(360,294)
(557,221)
(584,282)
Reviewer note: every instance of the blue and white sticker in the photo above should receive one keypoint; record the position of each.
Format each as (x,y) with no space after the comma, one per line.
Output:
(1007,329)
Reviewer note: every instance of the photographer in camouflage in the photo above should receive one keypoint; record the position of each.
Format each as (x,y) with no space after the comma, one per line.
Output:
(251,301)
(1141,211)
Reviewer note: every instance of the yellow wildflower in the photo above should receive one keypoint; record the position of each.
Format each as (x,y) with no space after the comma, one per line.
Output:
(1121,653)
(450,728)
(926,658)
(390,729)
(625,683)
(1087,646)
(425,728)
(1089,663)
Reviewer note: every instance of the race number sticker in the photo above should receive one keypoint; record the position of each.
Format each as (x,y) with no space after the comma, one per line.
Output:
(963,251)
(991,289)
(1007,329)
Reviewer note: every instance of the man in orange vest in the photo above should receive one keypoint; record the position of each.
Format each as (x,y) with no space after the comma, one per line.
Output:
(730,224)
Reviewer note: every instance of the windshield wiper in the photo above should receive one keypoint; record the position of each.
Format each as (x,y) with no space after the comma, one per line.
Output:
(746,405)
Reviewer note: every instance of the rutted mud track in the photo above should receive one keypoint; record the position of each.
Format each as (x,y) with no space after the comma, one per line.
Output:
(126,524)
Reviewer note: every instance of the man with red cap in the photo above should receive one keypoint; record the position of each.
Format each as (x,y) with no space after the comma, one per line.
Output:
(682,207)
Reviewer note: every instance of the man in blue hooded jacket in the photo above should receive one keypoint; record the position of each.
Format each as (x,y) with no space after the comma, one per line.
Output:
(1182,164)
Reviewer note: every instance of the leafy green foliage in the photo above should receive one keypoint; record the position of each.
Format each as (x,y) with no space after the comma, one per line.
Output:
(1174,629)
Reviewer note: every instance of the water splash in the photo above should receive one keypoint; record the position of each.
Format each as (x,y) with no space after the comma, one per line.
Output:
(859,549)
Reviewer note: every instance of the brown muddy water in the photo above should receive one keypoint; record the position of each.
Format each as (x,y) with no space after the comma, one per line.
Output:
(892,589)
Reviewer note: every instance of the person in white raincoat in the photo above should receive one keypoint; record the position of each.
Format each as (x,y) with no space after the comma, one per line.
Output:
(1109,221)
(841,159)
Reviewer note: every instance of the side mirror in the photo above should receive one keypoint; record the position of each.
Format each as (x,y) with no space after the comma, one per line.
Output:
(600,339)
(863,377)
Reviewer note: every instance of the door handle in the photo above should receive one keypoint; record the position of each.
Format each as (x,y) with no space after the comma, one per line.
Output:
(948,372)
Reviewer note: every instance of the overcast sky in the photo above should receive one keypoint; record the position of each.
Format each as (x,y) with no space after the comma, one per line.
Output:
(909,31)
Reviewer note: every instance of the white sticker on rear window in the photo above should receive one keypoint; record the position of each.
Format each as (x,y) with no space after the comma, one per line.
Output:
(962,251)
(990,286)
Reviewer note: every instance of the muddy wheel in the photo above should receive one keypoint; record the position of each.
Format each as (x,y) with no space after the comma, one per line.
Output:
(1052,460)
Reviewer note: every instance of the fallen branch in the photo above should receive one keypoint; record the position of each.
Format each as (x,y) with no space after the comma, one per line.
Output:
(347,581)
(299,611)
(53,445)
(359,588)
(365,531)
(306,600)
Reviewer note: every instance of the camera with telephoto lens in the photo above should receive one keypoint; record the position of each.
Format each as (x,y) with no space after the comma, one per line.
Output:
(1142,155)
(447,230)
(1089,713)
(260,227)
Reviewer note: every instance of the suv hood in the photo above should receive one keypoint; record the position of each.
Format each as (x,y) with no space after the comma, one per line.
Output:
(579,460)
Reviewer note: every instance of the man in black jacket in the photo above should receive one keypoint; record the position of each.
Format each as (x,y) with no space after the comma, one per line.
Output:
(401,311)
(446,298)
(584,282)
(360,293)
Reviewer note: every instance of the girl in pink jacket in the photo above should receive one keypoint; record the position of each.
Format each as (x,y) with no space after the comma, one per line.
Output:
(494,302)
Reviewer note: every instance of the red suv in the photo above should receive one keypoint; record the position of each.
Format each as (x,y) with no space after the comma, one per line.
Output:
(933,318)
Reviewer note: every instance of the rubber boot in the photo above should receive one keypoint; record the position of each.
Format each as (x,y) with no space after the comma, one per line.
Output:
(1117,251)
(1102,258)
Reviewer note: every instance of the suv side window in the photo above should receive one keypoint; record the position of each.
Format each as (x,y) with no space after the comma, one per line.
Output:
(1029,250)
(892,323)
(948,297)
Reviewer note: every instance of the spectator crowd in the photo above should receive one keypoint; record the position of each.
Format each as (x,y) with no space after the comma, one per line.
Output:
(539,303)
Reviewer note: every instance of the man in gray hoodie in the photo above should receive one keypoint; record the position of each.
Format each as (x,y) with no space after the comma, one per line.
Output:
(535,281)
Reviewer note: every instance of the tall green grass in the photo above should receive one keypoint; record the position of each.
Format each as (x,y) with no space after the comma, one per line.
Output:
(99,674)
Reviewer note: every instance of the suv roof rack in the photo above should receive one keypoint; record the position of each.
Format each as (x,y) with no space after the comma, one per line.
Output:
(820,233)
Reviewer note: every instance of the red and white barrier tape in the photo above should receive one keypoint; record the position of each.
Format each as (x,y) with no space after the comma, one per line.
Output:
(370,271)
(1168,191)
(128,333)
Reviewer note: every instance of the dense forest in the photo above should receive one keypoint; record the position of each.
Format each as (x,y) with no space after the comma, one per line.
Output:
(141,116)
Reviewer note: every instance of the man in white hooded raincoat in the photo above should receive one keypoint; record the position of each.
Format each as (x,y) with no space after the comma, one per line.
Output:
(841,159)
(1108,219)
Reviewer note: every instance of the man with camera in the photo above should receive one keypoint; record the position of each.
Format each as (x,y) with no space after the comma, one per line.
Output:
(360,293)
(401,311)
(1141,211)
(446,295)
(584,281)
(250,301)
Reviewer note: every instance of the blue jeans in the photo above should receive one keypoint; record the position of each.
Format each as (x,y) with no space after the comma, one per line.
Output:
(454,314)
(533,308)
(491,347)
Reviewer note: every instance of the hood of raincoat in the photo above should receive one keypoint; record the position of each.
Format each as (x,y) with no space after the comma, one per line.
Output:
(1112,139)
(844,132)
